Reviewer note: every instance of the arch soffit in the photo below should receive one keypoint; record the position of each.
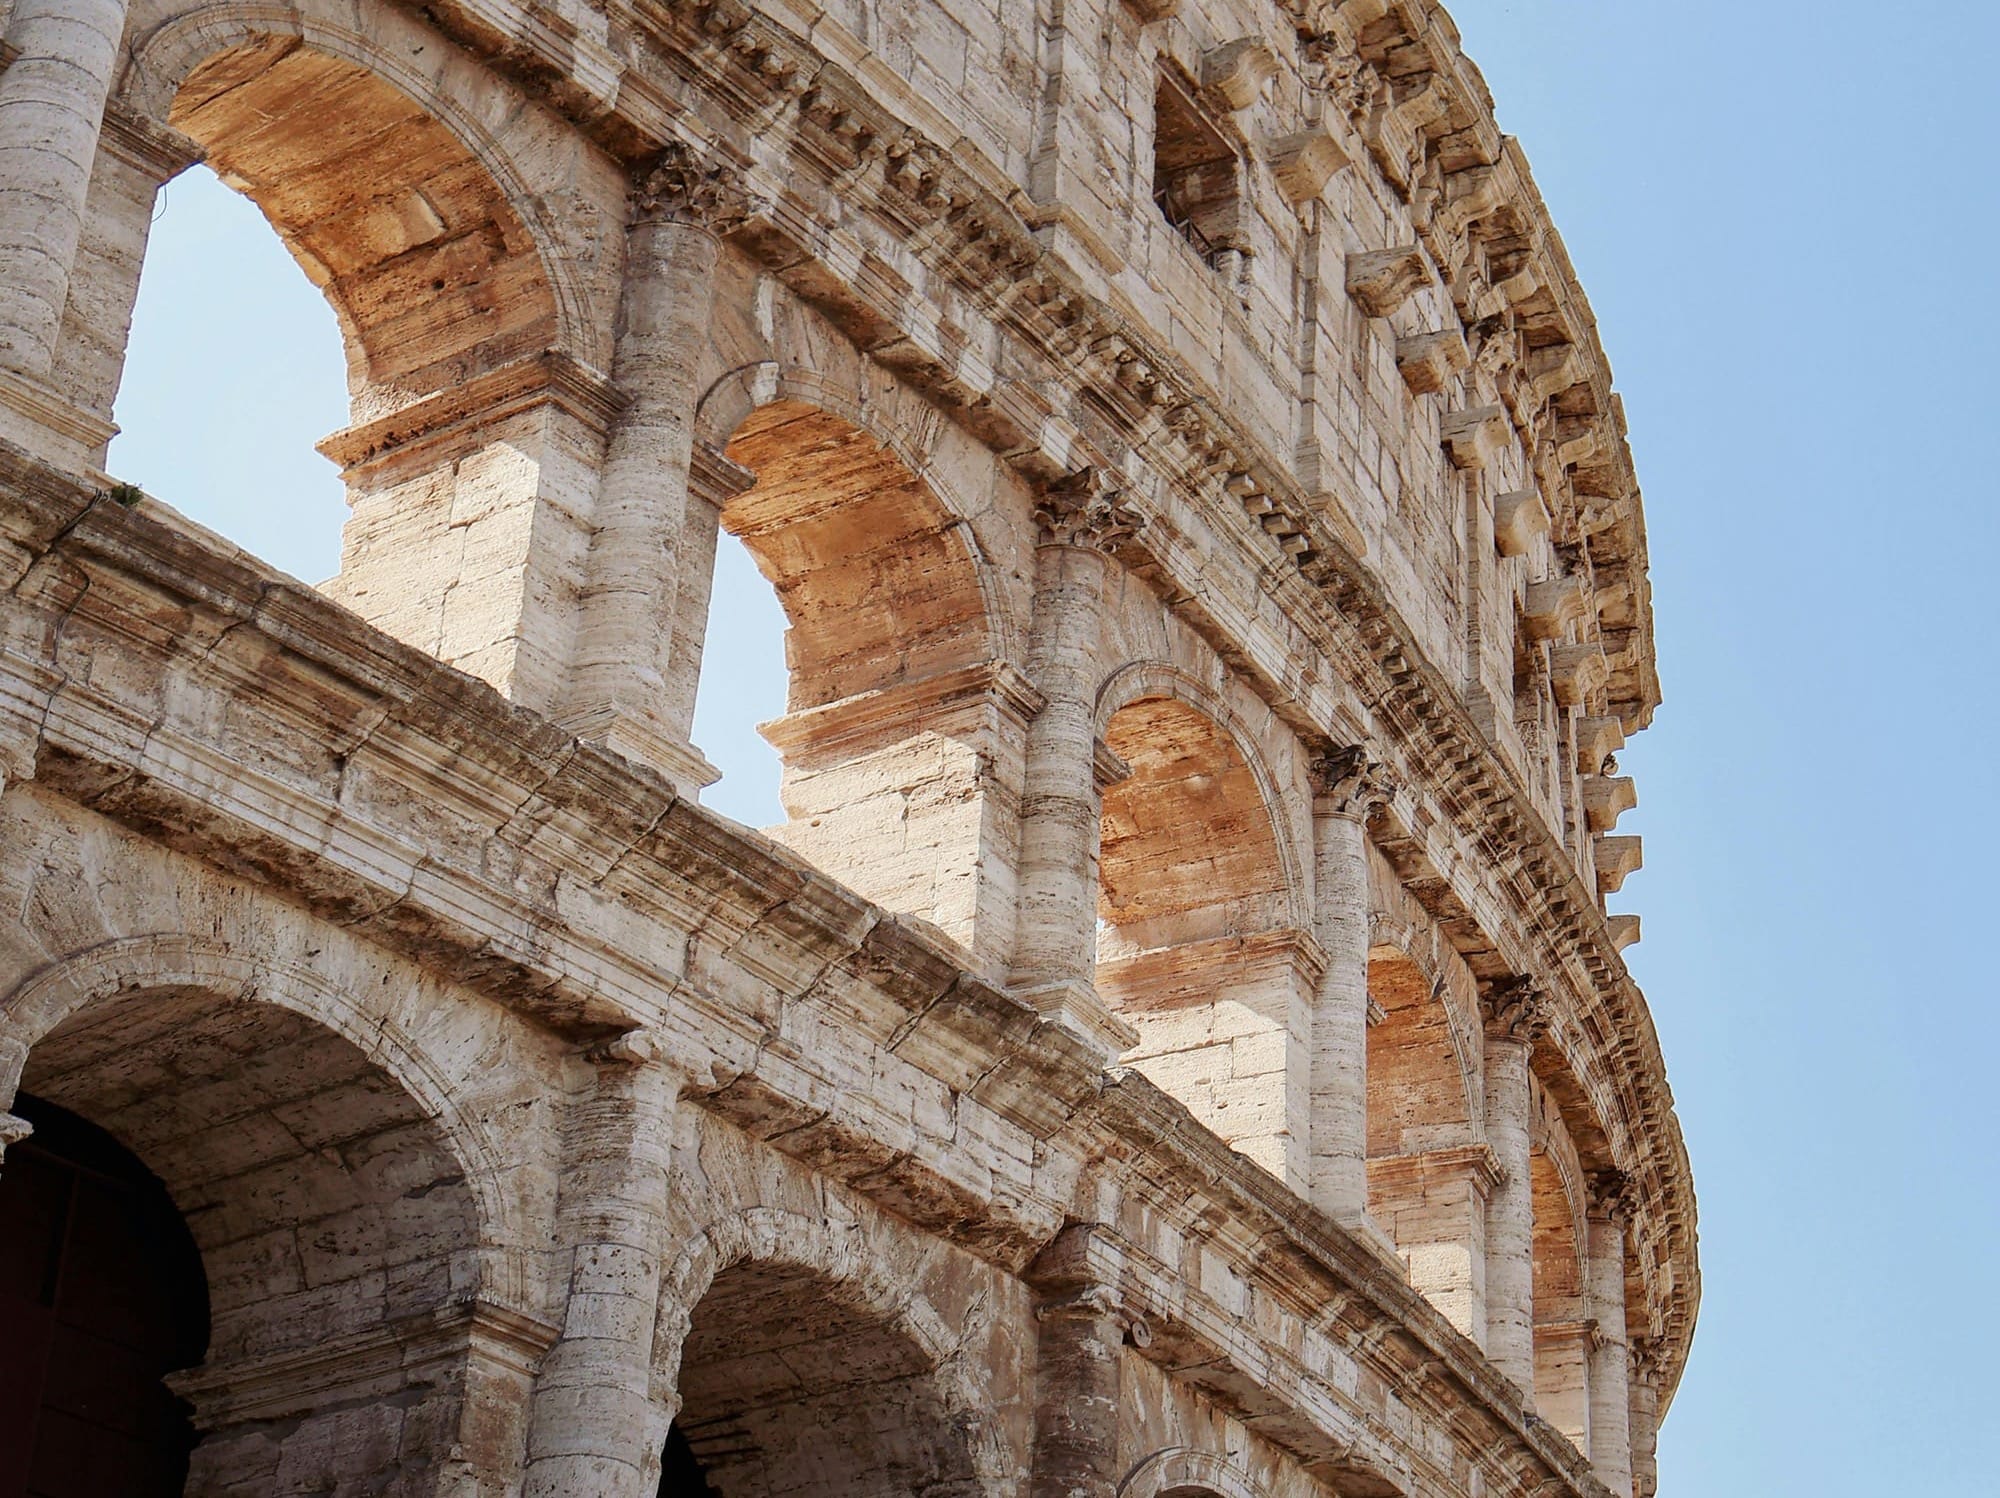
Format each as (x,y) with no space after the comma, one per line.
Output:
(130,967)
(1417,946)
(178,37)
(730,400)
(1182,1469)
(1549,1135)
(1139,680)
(839,1254)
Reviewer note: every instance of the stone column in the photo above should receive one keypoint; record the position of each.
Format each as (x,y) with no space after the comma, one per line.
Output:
(596,1426)
(713,480)
(1647,1373)
(1514,1013)
(617,692)
(52,98)
(1604,1291)
(1082,521)
(1079,1353)
(51,107)
(1347,787)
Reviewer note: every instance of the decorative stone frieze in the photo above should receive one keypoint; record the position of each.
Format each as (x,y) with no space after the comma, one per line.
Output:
(683,185)
(1515,1009)
(1347,782)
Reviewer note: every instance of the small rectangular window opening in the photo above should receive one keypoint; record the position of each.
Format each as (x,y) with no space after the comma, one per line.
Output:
(1195,177)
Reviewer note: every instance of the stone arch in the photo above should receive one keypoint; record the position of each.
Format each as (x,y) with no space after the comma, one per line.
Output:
(124,966)
(1206,955)
(904,716)
(1182,1471)
(764,1274)
(1421,1074)
(169,40)
(900,422)
(457,231)
(1138,680)
(1419,941)
(342,1204)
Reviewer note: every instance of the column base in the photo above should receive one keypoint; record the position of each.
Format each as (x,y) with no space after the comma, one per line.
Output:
(646,744)
(1076,1007)
(49,426)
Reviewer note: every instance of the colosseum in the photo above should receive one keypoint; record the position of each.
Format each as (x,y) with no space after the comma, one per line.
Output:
(1175,1044)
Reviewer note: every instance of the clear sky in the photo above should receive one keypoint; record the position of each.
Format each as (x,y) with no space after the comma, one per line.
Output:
(1785,216)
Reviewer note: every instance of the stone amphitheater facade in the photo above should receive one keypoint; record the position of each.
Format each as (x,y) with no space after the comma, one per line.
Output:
(1175,1045)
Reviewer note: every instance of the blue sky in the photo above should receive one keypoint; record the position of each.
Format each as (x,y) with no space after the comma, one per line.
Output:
(1784,214)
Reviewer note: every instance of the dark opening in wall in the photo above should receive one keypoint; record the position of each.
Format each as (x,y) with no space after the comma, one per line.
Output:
(1196,178)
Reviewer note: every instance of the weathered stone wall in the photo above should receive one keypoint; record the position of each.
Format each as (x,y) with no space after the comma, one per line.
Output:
(1175,1042)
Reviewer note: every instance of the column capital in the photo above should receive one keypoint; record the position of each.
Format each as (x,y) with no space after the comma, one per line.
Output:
(1079,1276)
(1514,1008)
(1085,509)
(1648,1361)
(1348,783)
(681,184)
(1612,1193)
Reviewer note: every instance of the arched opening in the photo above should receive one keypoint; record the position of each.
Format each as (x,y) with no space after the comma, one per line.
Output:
(1428,1178)
(895,714)
(742,687)
(1196,948)
(472,445)
(336,1230)
(102,1295)
(791,1385)
(1563,1330)
(233,449)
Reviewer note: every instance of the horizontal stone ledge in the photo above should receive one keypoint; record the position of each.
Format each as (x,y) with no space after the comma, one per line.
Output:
(1475,1163)
(949,701)
(550,378)
(1198,971)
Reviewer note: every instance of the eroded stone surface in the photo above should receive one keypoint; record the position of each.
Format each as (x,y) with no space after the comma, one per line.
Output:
(1175,1043)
